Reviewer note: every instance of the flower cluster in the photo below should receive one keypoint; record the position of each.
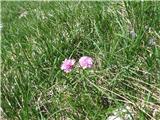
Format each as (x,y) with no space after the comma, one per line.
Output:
(67,65)
(84,62)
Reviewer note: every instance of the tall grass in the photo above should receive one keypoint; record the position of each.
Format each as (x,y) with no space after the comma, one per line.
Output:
(38,36)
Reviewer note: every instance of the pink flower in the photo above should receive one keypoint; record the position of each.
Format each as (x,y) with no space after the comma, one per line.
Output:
(67,65)
(86,62)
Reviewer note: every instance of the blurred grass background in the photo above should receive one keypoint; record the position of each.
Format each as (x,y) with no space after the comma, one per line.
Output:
(122,37)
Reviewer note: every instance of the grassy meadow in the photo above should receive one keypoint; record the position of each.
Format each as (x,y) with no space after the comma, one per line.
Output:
(123,38)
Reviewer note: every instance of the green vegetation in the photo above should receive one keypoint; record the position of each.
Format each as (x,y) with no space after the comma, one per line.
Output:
(37,36)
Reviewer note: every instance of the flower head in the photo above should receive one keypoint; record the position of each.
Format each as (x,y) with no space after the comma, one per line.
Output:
(86,62)
(67,65)
(133,34)
(23,14)
(152,41)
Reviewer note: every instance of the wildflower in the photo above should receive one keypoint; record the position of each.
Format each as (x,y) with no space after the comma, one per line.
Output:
(152,41)
(67,65)
(133,34)
(86,62)
(23,14)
